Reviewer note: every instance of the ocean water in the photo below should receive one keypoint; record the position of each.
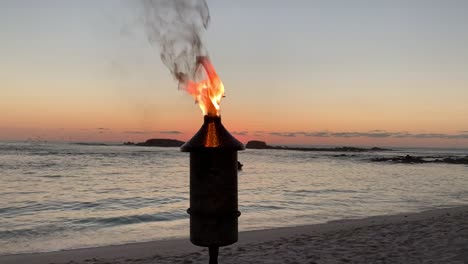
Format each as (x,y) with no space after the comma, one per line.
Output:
(58,196)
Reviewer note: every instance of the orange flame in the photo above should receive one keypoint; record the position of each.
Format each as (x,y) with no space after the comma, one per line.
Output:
(207,92)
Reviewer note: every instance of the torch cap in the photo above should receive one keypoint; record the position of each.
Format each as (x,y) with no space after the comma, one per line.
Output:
(212,135)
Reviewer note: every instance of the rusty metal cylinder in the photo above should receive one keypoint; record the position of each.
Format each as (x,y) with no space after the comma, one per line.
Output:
(213,197)
(213,185)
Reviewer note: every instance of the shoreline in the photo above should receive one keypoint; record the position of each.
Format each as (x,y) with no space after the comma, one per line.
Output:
(400,238)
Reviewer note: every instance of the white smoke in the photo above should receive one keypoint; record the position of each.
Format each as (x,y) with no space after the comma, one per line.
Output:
(176,27)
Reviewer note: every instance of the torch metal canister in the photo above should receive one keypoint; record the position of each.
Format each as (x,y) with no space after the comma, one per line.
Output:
(213,185)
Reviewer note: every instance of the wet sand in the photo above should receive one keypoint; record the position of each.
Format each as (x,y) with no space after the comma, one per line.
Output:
(435,236)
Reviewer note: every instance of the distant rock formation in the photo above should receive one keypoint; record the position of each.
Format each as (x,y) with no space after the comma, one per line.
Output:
(160,142)
(256,144)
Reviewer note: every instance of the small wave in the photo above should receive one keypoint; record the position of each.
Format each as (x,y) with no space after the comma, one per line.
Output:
(32,232)
(20,193)
(51,176)
(132,219)
(80,205)
(115,173)
(43,165)
(33,207)
(89,144)
(90,223)
(5,210)
(140,202)
(302,191)
(260,208)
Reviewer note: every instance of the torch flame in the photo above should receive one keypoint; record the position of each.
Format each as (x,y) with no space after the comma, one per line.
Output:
(208,91)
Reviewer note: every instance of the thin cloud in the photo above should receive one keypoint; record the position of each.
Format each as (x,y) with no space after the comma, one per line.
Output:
(347,134)
(428,135)
(283,134)
(240,133)
(372,134)
(438,135)
(173,132)
(258,133)
(103,130)
(314,134)
(463,136)
(363,134)
(139,132)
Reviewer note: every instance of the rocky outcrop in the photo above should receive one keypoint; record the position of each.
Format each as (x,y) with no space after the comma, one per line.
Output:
(256,144)
(161,142)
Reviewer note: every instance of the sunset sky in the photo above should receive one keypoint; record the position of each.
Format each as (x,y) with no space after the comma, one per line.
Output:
(372,73)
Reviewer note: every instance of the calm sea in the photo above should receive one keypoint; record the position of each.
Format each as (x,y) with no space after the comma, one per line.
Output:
(58,196)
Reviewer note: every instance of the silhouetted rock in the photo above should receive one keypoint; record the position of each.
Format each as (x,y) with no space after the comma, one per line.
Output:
(129,143)
(256,144)
(161,142)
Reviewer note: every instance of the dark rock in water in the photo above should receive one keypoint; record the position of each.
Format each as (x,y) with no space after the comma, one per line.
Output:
(411,159)
(349,149)
(408,159)
(129,143)
(401,159)
(161,142)
(454,160)
(379,149)
(256,144)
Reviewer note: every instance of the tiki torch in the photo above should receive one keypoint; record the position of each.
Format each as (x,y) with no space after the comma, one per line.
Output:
(213,186)
(213,167)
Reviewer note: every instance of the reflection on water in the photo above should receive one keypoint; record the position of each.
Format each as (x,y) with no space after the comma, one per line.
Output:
(57,196)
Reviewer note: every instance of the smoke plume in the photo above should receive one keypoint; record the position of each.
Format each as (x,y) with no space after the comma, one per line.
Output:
(176,27)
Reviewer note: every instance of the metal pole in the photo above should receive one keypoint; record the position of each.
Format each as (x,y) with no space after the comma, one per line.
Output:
(213,254)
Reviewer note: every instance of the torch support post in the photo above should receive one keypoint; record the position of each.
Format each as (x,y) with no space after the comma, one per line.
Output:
(214,250)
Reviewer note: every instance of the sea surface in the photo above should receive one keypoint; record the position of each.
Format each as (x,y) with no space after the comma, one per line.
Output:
(56,196)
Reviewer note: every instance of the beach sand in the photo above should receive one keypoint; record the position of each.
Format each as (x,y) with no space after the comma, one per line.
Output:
(435,236)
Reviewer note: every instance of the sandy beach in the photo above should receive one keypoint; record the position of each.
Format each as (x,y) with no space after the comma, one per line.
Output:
(435,236)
